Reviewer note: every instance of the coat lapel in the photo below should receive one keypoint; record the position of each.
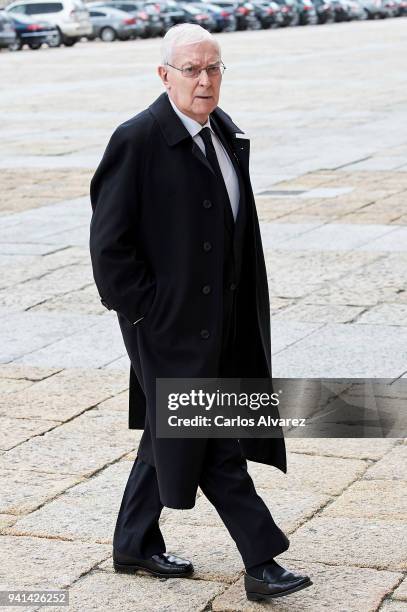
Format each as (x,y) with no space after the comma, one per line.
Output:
(175,132)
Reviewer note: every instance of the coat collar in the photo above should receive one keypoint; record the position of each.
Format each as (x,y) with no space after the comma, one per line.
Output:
(172,127)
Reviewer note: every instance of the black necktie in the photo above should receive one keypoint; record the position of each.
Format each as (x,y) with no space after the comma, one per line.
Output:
(212,158)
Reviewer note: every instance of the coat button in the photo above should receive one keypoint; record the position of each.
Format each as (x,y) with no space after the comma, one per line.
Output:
(206,289)
(207,204)
(207,246)
(232,286)
(204,334)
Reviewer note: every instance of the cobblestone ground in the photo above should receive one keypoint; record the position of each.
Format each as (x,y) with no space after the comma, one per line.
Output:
(326,111)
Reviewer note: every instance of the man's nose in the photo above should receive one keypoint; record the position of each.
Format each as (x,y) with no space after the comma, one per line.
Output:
(203,78)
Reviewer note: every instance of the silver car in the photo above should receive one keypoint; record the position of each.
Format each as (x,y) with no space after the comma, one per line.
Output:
(7,31)
(110,23)
(70,17)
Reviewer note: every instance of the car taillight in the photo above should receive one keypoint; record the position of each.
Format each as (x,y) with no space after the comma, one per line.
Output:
(143,15)
(225,14)
(243,10)
(129,21)
(202,16)
(270,10)
(34,27)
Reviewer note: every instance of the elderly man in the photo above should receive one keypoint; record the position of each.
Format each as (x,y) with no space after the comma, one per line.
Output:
(176,252)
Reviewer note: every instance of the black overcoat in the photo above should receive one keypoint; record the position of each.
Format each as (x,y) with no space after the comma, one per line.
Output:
(154,209)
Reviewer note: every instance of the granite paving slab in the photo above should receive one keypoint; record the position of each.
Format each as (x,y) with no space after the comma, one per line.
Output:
(274,234)
(393,241)
(103,591)
(65,394)
(334,588)
(81,446)
(38,563)
(287,333)
(392,606)
(18,339)
(11,385)
(15,431)
(391,467)
(385,314)
(341,351)
(319,313)
(85,512)
(93,347)
(357,448)
(401,591)
(385,499)
(6,520)
(336,237)
(24,490)
(329,475)
(352,541)
(306,273)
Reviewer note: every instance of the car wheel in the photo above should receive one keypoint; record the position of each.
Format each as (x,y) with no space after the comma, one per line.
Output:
(107,34)
(295,20)
(55,40)
(255,24)
(17,45)
(69,42)
(34,46)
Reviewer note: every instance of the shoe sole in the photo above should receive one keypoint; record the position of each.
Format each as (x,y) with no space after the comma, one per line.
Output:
(131,569)
(267,597)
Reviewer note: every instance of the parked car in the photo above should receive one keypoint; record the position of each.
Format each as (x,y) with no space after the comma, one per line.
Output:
(225,20)
(110,23)
(246,18)
(33,32)
(7,31)
(289,14)
(307,15)
(391,8)
(195,14)
(341,10)
(70,17)
(356,10)
(372,8)
(325,11)
(149,14)
(170,12)
(268,13)
(401,7)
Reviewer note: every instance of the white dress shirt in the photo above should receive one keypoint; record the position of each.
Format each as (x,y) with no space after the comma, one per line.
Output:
(226,166)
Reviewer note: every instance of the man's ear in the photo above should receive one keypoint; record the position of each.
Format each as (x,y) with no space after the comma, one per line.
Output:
(163,74)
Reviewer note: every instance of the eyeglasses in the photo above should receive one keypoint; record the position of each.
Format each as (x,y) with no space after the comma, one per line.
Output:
(193,72)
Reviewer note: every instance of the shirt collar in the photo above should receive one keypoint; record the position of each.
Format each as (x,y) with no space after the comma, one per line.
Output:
(193,127)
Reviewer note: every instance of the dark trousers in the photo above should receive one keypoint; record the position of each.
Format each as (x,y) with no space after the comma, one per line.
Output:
(224,481)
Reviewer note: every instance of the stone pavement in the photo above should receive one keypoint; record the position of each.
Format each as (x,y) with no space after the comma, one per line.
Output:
(324,108)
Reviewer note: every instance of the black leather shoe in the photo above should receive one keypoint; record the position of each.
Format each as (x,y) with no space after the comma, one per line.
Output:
(276,582)
(162,564)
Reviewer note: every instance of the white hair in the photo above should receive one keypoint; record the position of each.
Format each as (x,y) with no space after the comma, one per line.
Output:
(184,34)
